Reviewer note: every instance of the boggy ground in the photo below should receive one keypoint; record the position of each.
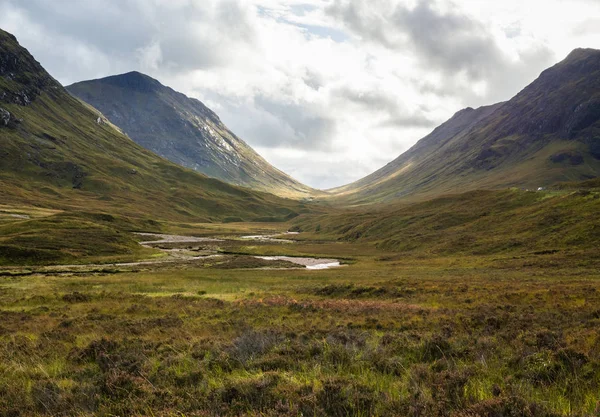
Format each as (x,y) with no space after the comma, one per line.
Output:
(385,335)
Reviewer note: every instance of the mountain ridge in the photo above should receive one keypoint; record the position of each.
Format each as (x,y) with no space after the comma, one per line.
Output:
(183,130)
(59,153)
(547,133)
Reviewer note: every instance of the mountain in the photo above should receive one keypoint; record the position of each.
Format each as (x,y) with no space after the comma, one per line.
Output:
(60,153)
(548,133)
(183,130)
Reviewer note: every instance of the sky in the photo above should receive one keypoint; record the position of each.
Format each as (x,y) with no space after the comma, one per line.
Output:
(326,90)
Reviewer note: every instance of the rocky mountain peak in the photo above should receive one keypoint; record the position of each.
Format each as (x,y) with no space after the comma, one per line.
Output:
(135,81)
(183,130)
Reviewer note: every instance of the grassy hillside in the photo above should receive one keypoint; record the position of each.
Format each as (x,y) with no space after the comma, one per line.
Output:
(184,131)
(548,133)
(473,223)
(60,157)
(56,154)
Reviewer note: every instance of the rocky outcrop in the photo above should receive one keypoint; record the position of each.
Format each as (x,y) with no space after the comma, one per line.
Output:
(7,119)
(4,117)
(23,77)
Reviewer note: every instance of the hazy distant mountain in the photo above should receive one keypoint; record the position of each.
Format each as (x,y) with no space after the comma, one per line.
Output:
(549,132)
(184,131)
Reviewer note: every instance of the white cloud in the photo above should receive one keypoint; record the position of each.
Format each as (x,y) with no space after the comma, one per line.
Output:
(150,56)
(327,90)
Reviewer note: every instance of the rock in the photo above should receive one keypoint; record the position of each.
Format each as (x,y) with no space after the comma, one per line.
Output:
(4,117)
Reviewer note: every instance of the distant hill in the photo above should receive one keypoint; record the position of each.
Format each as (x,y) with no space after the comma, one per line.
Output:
(60,153)
(548,133)
(184,131)
(480,222)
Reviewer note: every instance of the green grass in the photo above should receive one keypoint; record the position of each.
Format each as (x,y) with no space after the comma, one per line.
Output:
(478,222)
(57,156)
(86,186)
(72,237)
(440,336)
(171,117)
(96,168)
(480,304)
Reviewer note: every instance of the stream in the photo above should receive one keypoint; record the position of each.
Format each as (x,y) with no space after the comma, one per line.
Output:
(308,263)
(180,255)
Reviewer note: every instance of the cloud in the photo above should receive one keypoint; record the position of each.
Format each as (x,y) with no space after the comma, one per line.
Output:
(310,130)
(450,41)
(150,56)
(590,25)
(462,49)
(397,114)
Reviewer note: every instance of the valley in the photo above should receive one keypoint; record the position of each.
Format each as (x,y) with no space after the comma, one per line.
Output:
(203,324)
(460,280)
(389,333)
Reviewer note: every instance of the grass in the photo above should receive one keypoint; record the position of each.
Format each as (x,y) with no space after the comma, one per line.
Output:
(55,155)
(54,237)
(170,117)
(480,304)
(478,222)
(460,336)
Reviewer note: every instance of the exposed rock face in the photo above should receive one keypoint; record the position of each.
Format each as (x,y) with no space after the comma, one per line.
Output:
(61,157)
(22,77)
(7,119)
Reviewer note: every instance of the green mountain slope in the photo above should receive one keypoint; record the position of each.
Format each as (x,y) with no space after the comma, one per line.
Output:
(184,131)
(57,152)
(473,223)
(550,132)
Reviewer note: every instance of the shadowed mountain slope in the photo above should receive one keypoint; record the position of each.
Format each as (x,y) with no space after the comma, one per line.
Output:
(183,130)
(60,153)
(549,132)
